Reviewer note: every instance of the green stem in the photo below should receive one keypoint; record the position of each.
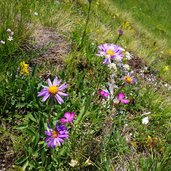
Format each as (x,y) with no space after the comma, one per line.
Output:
(51,110)
(85,28)
(117,39)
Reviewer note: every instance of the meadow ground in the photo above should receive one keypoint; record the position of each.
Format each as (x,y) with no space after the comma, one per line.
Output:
(111,116)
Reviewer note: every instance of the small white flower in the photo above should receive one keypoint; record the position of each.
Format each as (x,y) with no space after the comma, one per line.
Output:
(126,67)
(10,38)
(36,13)
(2,42)
(9,30)
(128,55)
(112,66)
(145,120)
(112,87)
(73,163)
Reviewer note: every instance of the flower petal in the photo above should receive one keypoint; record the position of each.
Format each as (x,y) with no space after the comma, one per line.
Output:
(62,94)
(63,86)
(125,101)
(45,97)
(63,120)
(59,99)
(120,96)
(42,93)
(55,81)
(49,82)
(67,115)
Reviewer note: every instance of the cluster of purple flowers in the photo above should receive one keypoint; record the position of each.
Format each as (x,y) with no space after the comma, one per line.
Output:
(54,90)
(55,137)
(114,56)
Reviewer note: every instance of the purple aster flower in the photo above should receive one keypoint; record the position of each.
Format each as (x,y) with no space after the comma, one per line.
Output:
(103,93)
(121,98)
(129,79)
(110,51)
(56,137)
(54,90)
(68,117)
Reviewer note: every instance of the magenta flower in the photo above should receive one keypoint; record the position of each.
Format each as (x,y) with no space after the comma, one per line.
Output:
(56,137)
(121,97)
(103,93)
(110,51)
(68,117)
(54,90)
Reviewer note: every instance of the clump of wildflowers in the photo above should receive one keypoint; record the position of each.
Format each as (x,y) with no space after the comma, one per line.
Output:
(57,136)
(24,68)
(53,90)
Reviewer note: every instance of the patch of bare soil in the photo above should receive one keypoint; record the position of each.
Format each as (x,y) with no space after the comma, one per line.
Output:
(51,45)
(147,74)
(7,155)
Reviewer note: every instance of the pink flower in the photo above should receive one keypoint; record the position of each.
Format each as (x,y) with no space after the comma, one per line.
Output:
(121,97)
(103,93)
(68,117)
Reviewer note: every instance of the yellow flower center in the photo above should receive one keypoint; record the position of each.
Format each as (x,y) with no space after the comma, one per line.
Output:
(55,134)
(53,90)
(128,79)
(110,52)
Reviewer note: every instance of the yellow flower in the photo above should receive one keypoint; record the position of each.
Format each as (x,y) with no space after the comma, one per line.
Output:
(169,52)
(134,143)
(151,142)
(166,68)
(24,68)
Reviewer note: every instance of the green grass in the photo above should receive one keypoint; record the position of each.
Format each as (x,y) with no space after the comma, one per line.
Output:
(112,138)
(154,16)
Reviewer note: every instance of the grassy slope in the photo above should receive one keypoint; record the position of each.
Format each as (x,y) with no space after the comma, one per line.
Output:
(104,22)
(152,18)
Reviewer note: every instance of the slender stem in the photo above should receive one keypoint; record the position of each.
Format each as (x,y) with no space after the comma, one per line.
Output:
(117,39)
(85,28)
(51,110)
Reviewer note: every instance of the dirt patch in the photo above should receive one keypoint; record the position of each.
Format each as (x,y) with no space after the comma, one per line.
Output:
(51,45)
(147,74)
(7,155)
